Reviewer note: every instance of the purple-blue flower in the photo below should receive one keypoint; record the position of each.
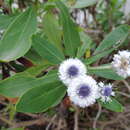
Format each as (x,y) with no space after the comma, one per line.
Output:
(106,92)
(70,69)
(83,91)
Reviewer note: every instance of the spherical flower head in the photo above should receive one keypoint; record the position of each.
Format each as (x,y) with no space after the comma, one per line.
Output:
(121,63)
(71,69)
(106,92)
(83,91)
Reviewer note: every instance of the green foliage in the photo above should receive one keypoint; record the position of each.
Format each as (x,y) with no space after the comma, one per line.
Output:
(16,40)
(52,29)
(86,44)
(47,50)
(12,129)
(83,3)
(35,57)
(41,98)
(104,71)
(70,33)
(111,42)
(114,105)
(5,20)
(98,56)
(56,38)
(114,38)
(18,84)
(110,13)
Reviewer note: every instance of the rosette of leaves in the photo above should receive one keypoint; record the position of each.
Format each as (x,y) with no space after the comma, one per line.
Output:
(39,87)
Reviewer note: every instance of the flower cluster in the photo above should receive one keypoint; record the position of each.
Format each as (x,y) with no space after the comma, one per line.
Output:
(82,89)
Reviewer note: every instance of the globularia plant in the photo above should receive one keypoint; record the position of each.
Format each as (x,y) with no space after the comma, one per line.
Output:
(63,67)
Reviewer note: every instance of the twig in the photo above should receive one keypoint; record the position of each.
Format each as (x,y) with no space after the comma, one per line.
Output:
(76,119)
(21,124)
(26,123)
(124,94)
(32,115)
(3,103)
(115,120)
(97,116)
(6,121)
(53,118)
(115,83)
(123,125)
(126,84)
(59,124)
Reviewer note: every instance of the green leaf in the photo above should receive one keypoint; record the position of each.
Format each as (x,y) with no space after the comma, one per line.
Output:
(114,38)
(34,57)
(114,105)
(16,40)
(41,98)
(5,20)
(86,43)
(98,56)
(48,5)
(104,71)
(84,3)
(52,29)
(70,33)
(47,50)
(14,129)
(18,84)
(37,69)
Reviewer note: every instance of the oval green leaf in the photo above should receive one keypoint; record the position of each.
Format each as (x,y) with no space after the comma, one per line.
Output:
(114,38)
(5,20)
(114,105)
(52,29)
(41,98)
(18,84)
(70,33)
(16,40)
(47,50)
